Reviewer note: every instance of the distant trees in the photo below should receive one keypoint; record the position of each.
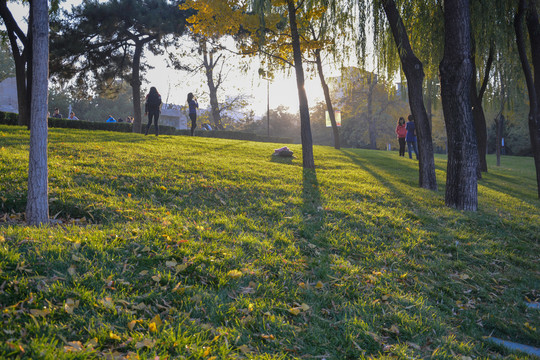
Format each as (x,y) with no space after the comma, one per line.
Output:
(7,65)
(107,40)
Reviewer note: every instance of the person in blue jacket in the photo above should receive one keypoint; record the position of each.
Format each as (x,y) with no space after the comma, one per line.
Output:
(111,119)
(193,106)
(411,137)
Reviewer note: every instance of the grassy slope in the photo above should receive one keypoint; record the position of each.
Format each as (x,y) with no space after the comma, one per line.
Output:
(242,255)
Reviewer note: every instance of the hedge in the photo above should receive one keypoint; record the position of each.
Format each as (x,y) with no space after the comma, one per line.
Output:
(7,118)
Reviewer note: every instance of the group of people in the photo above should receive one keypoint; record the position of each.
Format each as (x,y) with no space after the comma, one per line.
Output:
(57,115)
(406,133)
(152,109)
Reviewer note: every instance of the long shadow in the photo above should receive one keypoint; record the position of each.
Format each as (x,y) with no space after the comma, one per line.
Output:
(312,211)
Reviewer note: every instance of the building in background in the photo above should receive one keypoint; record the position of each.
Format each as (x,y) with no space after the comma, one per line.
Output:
(173,115)
(8,96)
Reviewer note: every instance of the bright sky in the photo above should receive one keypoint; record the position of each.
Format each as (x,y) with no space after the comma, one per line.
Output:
(176,84)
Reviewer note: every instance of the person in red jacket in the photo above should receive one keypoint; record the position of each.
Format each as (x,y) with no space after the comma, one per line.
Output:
(401,131)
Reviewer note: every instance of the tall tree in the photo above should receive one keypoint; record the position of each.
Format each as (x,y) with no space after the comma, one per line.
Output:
(456,75)
(413,69)
(527,9)
(108,40)
(37,208)
(21,49)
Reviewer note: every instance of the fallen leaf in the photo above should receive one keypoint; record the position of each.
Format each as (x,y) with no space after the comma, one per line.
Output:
(71,270)
(70,305)
(42,313)
(171,263)
(145,343)
(295,311)
(235,274)
(131,324)
(114,336)
(304,307)
(143,273)
(319,285)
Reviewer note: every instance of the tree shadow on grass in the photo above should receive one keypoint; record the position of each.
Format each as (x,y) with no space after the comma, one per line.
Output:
(281,160)
(313,216)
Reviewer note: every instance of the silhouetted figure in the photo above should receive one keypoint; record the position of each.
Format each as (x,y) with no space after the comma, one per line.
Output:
(401,131)
(411,137)
(152,108)
(193,106)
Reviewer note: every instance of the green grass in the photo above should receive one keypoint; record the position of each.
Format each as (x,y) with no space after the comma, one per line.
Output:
(196,248)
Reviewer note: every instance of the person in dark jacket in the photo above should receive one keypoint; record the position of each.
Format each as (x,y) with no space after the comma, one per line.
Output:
(411,137)
(152,108)
(193,106)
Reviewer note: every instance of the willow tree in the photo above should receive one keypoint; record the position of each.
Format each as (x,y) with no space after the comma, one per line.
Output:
(413,69)
(99,43)
(528,11)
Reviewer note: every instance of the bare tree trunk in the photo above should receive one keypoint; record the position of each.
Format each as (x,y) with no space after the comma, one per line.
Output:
(327,99)
(499,121)
(456,75)
(136,87)
(533,84)
(37,207)
(305,126)
(209,64)
(413,69)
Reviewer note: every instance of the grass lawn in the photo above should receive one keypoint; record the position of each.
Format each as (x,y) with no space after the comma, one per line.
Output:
(198,248)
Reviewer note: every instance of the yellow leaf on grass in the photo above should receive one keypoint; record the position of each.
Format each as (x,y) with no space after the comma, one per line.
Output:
(235,274)
(171,263)
(114,336)
(107,302)
(394,329)
(152,327)
(245,349)
(268,337)
(181,267)
(42,313)
(206,352)
(73,346)
(319,285)
(2,238)
(143,273)
(157,320)
(70,305)
(156,278)
(92,343)
(71,270)
(145,343)
(464,277)
(131,324)
(295,311)
(304,307)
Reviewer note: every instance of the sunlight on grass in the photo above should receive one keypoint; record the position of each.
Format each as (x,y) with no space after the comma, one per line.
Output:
(195,248)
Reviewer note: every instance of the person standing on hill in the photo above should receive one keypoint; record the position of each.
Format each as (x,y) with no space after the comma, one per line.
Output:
(401,131)
(193,106)
(411,137)
(152,108)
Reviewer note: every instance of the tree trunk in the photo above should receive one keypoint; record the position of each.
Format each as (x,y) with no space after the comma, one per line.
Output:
(533,84)
(305,126)
(37,207)
(412,67)
(208,62)
(136,87)
(456,71)
(18,38)
(372,81)
(478,113)
(327,99)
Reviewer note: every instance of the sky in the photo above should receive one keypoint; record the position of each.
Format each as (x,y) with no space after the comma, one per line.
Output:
(175,85)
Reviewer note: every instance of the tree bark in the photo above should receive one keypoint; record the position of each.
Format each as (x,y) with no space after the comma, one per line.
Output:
(327,99)
(478,113)
(37,207)
(456,71)
(533,83)
(413,69)
(136,87)
(305,126)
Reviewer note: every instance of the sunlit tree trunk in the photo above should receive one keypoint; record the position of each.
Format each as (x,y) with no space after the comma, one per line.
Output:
(413,69)
(456,71)
(209,65)
(305,126)
(37,207)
